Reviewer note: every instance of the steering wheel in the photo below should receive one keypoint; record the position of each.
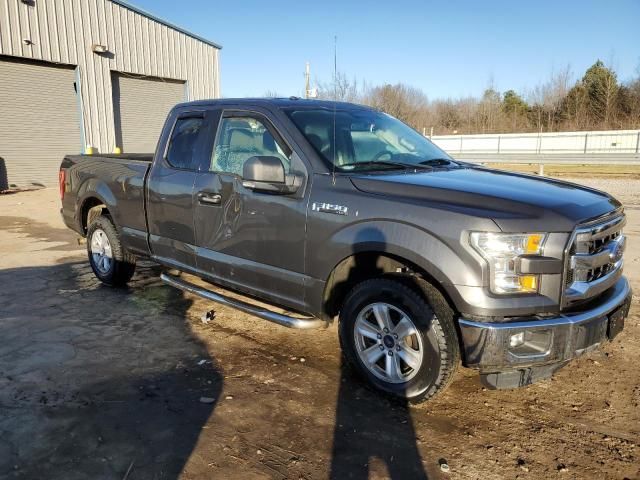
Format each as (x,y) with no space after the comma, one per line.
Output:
(382,154)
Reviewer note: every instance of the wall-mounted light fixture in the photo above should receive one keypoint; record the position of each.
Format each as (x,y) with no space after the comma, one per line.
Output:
(97,48)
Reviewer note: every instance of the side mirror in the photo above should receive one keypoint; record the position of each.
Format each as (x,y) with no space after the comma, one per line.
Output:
(266,174)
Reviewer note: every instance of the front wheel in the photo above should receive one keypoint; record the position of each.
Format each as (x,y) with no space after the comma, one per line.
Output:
(399,335)
(110,262)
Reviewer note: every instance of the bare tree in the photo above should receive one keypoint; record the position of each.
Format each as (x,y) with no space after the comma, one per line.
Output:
(340,88)
(548,97)
(271,94)
(448,116)
(407,103)
(559,103)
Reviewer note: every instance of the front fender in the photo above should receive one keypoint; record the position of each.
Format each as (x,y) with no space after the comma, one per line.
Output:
(443,259)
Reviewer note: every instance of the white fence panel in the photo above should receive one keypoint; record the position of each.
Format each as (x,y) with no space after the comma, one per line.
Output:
(613,141)
(562,143)
(448,144)
(518,144)
(608,142)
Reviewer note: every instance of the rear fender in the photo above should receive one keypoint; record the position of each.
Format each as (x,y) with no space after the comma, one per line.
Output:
(96,188)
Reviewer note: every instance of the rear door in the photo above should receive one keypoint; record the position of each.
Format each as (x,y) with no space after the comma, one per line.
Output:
(170,189)
(248,240)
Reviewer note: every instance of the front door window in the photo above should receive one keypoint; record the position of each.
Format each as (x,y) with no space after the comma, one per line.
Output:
(241,138)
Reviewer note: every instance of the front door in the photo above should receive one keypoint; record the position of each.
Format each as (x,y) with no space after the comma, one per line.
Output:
(248,240)
(170,192)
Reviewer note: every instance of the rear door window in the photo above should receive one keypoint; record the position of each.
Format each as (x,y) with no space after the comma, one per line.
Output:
(182,145)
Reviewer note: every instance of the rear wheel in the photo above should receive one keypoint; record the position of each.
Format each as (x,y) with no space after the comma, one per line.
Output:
(399,335)
(110,262)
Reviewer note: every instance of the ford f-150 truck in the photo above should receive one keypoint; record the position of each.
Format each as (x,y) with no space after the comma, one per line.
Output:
(336,211)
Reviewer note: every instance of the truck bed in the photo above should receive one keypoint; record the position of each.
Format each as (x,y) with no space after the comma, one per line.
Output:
(114,180)
(139,157)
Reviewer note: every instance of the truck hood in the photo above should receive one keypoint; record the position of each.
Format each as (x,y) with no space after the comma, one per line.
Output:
(512,200)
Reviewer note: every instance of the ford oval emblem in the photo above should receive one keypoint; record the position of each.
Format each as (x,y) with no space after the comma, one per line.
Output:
(616,250)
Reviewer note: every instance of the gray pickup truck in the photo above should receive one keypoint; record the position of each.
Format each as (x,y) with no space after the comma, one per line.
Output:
(337,211)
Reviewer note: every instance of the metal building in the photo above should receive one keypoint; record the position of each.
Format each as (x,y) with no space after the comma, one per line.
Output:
(77,75)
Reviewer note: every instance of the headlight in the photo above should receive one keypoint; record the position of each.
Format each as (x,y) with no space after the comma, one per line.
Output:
(501,250)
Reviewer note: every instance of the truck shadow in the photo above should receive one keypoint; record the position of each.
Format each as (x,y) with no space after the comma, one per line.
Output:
(371,432)
(98,382)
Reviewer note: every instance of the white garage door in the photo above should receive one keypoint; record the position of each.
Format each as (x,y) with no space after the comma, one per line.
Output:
(39,122)
(140,108)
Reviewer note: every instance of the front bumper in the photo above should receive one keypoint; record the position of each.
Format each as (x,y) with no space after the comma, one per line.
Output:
(490,348)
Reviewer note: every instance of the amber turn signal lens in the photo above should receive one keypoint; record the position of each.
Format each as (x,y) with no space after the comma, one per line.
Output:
(529,282)
(534,244)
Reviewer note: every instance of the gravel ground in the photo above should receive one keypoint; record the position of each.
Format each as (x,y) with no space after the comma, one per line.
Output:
(625,190)
(104,383)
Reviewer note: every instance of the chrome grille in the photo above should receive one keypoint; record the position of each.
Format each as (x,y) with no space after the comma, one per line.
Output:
(594,259)
(569,276)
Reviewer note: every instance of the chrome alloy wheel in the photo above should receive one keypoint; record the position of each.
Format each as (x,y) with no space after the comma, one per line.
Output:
(388,343)
(101,251)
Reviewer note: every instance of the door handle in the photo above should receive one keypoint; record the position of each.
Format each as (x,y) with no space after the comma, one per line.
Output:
(210,198)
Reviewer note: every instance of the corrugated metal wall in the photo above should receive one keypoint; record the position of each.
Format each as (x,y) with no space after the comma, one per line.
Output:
(63,31)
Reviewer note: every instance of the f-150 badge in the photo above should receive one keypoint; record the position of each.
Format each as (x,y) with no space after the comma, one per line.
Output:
(329,208)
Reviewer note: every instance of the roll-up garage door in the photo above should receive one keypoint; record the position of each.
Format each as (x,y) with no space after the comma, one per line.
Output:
(39,121)
(140,108)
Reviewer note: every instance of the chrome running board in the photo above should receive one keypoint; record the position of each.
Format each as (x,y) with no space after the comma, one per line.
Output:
(304,323)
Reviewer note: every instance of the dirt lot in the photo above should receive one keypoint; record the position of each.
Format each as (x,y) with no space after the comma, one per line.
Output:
(102,383)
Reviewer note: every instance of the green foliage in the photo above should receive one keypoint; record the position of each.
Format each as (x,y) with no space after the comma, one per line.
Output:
(574,107)
(601,86)
(513,104)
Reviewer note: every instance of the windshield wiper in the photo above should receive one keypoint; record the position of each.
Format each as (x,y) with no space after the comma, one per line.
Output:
(374,164)
(437,162)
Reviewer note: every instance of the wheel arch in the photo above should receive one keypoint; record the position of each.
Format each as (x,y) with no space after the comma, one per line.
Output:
(367,264)
(90,208)
(368,248)
(92,194)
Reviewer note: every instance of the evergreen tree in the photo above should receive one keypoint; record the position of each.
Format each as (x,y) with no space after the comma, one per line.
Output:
(601,86)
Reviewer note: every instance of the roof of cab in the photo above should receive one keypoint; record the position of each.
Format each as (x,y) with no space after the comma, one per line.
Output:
(277,102)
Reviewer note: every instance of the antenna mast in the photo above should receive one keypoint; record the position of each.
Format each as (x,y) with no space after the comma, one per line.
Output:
(335,99)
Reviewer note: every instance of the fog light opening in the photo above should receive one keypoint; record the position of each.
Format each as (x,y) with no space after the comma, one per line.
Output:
(516,340)
(529,343)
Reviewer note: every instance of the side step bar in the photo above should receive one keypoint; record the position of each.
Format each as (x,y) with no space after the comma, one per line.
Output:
(305,323)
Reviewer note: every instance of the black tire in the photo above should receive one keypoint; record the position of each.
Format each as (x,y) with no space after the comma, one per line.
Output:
(123,264)
(433,319)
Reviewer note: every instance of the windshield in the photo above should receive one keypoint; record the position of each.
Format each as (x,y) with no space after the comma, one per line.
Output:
(366,140)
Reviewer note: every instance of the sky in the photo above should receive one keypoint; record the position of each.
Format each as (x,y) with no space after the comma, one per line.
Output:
(448,49)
